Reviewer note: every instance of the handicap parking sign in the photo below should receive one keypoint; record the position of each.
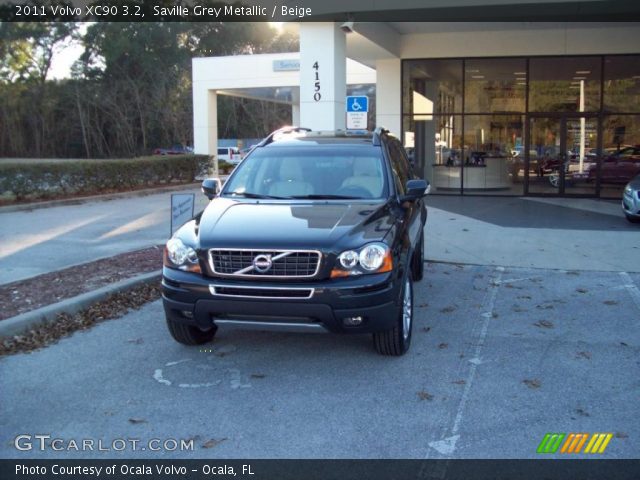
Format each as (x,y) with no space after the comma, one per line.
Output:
(358,104)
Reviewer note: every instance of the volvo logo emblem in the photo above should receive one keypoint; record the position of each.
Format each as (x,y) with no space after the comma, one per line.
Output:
(262,263)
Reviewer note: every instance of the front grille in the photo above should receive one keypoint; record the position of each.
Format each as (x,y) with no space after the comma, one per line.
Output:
(283,263)
(251,292)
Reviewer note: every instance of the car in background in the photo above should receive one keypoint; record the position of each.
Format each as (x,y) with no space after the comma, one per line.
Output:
(631,200)
(230,155)
(619,167)
(177,149)
(245,151)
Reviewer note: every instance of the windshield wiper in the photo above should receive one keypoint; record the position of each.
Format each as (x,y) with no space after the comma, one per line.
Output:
(254,195)
(325,197)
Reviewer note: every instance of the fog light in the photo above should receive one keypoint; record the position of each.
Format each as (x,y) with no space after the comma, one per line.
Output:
(352,321)
(187,314)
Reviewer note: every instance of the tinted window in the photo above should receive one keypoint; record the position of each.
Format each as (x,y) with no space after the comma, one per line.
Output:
(399,165)
(319,170)
(222,151)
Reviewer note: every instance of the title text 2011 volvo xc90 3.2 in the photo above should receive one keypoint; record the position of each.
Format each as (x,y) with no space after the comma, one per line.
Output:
(312,231)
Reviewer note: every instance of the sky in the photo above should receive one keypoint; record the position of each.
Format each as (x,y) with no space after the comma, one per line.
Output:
(63,59)
(66,55)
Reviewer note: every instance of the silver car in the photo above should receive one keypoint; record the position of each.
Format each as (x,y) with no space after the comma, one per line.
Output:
(631,200)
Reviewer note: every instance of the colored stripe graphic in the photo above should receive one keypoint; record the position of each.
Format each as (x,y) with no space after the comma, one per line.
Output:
(598,443)
(573,442)
(550,443)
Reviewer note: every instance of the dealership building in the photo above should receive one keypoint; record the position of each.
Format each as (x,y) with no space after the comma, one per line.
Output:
(542,107)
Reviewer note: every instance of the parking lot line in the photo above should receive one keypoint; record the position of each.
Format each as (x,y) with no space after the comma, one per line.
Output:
(447,445)
(631,288)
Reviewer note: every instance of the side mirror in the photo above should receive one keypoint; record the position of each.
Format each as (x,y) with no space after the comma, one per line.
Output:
(211,187)
(415,189)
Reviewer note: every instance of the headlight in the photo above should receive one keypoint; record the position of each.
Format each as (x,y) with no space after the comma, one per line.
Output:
(372,258)
(178,255)
(628,189)
(348,259)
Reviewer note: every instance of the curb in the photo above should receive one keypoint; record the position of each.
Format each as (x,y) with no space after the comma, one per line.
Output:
(19,323)
(95,198)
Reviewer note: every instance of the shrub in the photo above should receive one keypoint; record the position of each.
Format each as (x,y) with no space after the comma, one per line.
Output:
(40,180)
(225,167)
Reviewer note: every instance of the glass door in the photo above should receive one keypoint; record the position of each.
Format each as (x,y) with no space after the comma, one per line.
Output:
(561,158)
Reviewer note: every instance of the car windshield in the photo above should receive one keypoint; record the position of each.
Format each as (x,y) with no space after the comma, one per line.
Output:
(318,172)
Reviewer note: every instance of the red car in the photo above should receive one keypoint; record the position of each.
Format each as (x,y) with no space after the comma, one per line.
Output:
(619,167)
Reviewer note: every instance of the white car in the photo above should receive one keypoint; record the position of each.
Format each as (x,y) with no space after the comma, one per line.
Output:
(631,200)
(230,155)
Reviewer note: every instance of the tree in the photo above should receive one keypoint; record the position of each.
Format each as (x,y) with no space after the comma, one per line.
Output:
(27,48)
(130,91)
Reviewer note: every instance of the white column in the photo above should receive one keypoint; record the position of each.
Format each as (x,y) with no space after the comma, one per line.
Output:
(323,76)
(295,108)
(205,123)
(388,92)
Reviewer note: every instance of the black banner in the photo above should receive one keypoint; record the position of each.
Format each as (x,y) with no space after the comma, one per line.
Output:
(552,469)
(312,10)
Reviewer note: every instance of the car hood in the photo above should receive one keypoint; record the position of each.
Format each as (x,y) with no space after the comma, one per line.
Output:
(328,225)
(635,183)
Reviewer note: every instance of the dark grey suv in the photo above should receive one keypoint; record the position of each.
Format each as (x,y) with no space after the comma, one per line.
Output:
(313,231)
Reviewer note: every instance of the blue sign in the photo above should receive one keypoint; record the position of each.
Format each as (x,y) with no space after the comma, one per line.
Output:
(358,104)
(286,65)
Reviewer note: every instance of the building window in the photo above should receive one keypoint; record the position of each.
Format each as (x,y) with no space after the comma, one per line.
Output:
(493,160)
(432,87)
(622,83)
(466,123)
(495,85)
(564,84)
(621,153)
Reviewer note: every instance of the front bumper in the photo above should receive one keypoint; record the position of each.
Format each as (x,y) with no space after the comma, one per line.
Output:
(631,203)
(196,300)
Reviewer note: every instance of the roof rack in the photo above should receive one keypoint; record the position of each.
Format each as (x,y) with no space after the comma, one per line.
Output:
(377,133)
(282,131)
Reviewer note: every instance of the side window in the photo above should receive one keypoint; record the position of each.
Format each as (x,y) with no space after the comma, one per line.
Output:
(399,165)
(405,159)
(222,151)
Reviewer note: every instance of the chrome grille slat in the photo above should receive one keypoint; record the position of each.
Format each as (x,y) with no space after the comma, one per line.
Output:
(231,262)
(261,292)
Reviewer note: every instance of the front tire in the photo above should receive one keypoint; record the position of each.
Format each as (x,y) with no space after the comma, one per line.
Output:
(632,219)
(188,334)
(396,341)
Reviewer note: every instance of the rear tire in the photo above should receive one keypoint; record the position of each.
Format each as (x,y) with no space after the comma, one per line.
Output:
(188,334)
(417,260)
(396,341)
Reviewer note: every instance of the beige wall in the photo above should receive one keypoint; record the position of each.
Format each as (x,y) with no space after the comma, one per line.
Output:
(511,39)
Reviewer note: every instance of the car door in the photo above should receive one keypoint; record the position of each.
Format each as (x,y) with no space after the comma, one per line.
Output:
(628,162)
(413,211)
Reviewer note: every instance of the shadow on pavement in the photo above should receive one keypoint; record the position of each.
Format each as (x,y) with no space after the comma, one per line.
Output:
(523,213)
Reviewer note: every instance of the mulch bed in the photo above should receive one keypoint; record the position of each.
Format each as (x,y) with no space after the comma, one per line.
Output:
(114,306)
(33,293)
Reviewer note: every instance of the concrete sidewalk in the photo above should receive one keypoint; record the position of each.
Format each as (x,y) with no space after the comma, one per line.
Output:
(570,234)
(555,233)
(43,240)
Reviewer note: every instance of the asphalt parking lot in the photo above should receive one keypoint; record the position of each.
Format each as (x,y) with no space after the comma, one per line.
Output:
(500,356)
